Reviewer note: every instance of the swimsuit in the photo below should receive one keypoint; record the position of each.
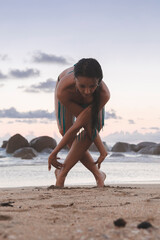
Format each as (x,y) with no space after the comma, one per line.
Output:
(62,116)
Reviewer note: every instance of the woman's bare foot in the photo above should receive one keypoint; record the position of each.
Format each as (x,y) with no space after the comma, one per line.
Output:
(101,179)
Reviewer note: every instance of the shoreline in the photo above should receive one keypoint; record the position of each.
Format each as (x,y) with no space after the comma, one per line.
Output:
(79,212)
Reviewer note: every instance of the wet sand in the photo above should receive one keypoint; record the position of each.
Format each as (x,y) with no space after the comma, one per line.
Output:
(81,213)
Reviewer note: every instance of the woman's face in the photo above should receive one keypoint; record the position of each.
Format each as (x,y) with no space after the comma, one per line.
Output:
(86,85)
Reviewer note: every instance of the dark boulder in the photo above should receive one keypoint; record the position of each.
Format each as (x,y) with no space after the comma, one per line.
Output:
(4,144)
(25,153)
(141,145)
(117,155)
(122,147)
(27,156)
(151,149)
(15,142)
(40,143)
(156,150)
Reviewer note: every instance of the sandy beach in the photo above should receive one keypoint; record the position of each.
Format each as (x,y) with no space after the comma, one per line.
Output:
(79,212)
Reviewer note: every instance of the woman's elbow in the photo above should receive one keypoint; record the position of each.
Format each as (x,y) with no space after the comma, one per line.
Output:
(107,96)
(59,95)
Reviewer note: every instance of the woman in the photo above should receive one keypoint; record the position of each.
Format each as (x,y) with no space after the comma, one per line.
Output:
(81,93)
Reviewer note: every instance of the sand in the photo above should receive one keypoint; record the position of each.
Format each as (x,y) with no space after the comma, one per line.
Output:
(79,212)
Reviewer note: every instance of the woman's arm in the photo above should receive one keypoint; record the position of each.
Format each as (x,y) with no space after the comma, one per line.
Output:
(69,136)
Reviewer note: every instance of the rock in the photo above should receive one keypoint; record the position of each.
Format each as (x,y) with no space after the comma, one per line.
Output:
(4,144)
(156,149)
(40,143)
(25,153)
(142,148)
(133,147)
(27,156)
(120,222)
(151,149)
(47,150)
(15,142)
(66,148)
(141,145)
(117,155)
(144,225)
(122,147)
(93,147)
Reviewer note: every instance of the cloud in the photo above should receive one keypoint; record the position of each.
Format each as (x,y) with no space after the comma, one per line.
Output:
(130,121)
(28,121)
(1,85)
(112,114)
(29,72)
(154,128)
(2,76)
(41,57)
(3,57)
(13,113)
(134,137)
(47,86)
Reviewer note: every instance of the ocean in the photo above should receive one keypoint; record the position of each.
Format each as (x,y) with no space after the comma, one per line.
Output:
(130,168)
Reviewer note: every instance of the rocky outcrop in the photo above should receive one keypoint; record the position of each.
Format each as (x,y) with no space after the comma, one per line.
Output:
(4,144)
(15,142)
(123,147)
(151,149)
(142,148)
(117,155)
(25,153)
(40,143)
(142,145)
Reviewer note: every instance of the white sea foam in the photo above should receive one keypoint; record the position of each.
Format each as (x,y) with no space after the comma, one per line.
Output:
(130,168)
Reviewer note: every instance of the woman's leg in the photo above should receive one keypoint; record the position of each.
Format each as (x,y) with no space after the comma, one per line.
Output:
(78,151)
(88,162)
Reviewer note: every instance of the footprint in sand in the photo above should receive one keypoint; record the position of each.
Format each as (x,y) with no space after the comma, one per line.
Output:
(62,205)
(156,198)
(5,218)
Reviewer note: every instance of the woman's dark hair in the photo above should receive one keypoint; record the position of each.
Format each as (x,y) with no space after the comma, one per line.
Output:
(89,67)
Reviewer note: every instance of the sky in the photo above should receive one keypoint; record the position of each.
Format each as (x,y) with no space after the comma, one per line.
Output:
(41,38)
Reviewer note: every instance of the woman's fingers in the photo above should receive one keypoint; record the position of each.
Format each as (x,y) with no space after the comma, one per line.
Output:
(99,165)
(53,162)
(57,164)
(99,161)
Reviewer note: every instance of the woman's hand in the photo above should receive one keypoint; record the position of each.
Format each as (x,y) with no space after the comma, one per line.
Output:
(101,159)
(52,160)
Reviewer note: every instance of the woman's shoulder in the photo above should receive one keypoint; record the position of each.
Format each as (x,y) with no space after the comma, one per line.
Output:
(66,72)
(66,81)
